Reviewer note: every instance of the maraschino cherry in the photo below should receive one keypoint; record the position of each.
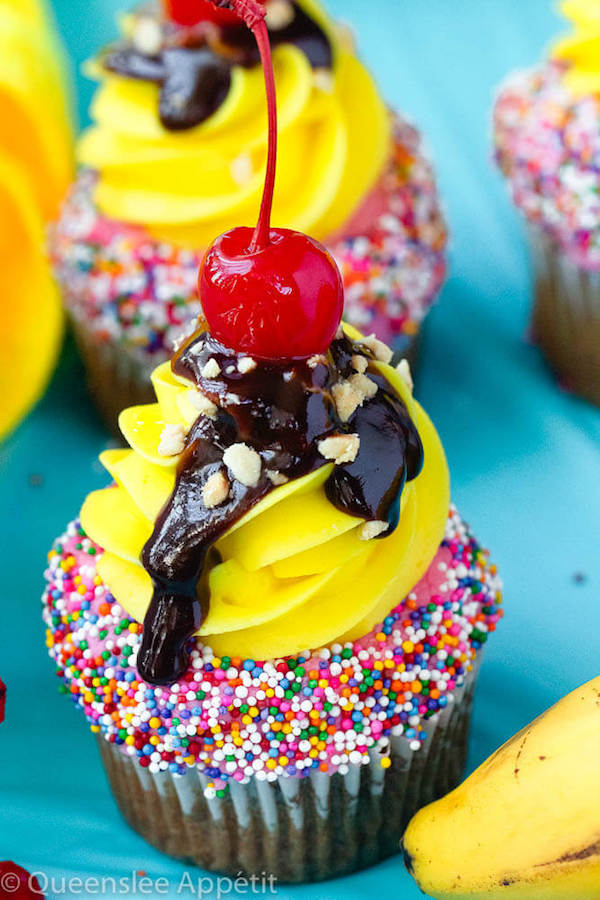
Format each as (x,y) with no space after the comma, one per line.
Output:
(15,881)
(192,12)
(270,292)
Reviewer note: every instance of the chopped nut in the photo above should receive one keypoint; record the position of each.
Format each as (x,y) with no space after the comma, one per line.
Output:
(324,80)
(246,364)
(341,448)
(201,402)
(371,530)
(244,464)
(359,363)
(403,369)
(280,14)
(316,360)
(364,385)
(241,169)
(147,36)
(277,478)
(379,350)
(172,440)
(339,335)
(211,369)
(182,334)
(215,490)
(346,398)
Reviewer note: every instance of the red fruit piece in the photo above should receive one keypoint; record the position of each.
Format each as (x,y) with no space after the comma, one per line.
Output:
(2,700)
(272,293)
(191,12)
(281,301)
(16,882)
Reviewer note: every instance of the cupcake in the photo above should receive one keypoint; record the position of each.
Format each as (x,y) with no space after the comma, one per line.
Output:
(176,155)
(547,139)
(272,618)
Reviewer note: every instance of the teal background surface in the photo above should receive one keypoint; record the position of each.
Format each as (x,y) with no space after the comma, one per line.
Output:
(524,456)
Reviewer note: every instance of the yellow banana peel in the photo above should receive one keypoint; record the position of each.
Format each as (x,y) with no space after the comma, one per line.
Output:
(525,824)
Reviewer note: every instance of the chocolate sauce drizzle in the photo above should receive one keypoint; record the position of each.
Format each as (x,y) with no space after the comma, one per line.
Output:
(281,411)
(195,76)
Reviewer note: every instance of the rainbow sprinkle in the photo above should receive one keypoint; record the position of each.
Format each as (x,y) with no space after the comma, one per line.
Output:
(131,289)
(241,718)
(548,146)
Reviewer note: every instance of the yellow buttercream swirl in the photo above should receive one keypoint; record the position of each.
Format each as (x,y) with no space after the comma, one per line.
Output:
(581,50)
(295,573)
(189,186)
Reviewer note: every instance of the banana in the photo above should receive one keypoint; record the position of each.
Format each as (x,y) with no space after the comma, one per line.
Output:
(526,823)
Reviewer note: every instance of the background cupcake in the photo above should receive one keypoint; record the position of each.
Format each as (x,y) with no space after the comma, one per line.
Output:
(547,136)
(176,155)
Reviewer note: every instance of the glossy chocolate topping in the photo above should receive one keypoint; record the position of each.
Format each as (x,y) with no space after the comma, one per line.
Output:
(282,412)
(193,67)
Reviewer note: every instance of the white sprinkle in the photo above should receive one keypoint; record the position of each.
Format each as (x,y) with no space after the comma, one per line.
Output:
(215,490)
(244,464)
(211,369)
(371,530)
(172,440)
(342,448)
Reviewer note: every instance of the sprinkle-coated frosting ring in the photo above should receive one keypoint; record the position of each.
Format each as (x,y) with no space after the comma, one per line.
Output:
(239,718)
(139,292)
(548,145)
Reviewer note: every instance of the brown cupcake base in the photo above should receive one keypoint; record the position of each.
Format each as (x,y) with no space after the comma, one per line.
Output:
(307,829)
(566,321)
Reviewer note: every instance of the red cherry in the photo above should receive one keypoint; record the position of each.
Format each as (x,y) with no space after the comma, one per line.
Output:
(272,293)
(192,12)
(15,881)
(282,301)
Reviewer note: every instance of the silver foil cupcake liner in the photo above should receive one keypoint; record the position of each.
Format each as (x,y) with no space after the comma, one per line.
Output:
(297,829)
(566,320)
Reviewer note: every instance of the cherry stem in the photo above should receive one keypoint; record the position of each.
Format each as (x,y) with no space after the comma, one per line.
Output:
(263,228)
(253,14)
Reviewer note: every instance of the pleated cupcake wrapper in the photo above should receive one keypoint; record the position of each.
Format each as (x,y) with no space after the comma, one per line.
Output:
(297,829)
(566,322)
(117,377)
